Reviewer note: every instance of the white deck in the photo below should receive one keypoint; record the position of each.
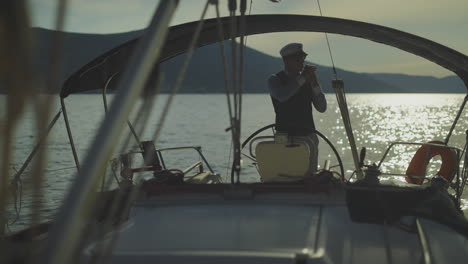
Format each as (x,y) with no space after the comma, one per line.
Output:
(272,228)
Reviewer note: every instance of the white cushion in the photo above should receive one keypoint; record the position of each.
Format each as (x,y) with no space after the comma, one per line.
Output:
(278,163)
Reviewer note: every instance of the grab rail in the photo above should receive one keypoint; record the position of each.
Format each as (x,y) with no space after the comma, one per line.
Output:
(414,143)
(197,148)
(198,164)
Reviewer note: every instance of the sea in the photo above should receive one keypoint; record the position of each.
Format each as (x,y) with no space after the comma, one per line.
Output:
(203,120)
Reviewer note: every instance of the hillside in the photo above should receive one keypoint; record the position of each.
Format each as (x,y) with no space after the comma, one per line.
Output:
(205,73)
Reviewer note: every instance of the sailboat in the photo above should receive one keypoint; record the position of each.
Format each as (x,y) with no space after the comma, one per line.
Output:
(319,217)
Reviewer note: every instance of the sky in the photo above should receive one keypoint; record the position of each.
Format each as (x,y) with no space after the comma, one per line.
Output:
(443,21)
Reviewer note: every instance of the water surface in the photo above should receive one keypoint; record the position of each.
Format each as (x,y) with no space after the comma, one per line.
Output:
(197,119)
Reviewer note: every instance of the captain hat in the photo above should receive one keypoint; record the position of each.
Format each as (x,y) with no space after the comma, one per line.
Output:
(292,49)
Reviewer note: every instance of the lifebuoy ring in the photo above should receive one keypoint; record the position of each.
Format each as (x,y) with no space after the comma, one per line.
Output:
(424,154)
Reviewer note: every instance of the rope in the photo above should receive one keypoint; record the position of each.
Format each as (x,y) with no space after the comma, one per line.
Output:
(328,44)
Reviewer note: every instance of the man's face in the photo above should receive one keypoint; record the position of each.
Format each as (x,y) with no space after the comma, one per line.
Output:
(294,64)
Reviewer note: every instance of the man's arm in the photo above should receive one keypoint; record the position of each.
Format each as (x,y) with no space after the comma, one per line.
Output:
(318,98)
(283,92)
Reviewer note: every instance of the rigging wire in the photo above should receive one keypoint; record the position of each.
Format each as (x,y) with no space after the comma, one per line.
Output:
(80,200)
(232,6)
(16,72)
(149,95)
(226,82)
(182,71)
(233,30)
(44,106)
(122,196)
(243,7)
(328,44)
(224,61)
(113,212)
(338,85)
(105,248)
(250,10)
(235,110)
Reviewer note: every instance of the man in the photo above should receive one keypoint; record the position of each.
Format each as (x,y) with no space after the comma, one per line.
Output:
(293,91)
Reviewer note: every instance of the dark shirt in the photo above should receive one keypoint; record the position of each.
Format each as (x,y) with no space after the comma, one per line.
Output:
(292,100)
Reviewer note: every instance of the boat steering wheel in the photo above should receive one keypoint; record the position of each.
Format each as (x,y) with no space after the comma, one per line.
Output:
(272,126)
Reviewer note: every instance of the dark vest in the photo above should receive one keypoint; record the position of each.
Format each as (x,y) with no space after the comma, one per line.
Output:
(294,116)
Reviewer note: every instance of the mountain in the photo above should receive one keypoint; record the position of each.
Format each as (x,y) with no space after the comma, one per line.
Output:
(79,49)
(414,84)
(206,75)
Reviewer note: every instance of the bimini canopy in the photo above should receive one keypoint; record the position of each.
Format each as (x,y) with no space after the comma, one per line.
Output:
(98,72)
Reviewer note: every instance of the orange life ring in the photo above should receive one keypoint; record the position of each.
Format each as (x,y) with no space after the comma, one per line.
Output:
(418,164)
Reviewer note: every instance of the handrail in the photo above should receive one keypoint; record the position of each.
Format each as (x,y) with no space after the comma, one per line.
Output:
(197,148)
(36,148)
(179,148)
(402,175)
(70,135)
(456,119)
(198,164)
(413,143)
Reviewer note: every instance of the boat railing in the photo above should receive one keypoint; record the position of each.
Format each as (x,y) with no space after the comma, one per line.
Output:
(392,144)
(423,176)
(198,164)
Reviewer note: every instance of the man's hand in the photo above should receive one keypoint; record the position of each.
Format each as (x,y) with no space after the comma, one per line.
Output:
(308,69)
(309,73)
(311,78)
